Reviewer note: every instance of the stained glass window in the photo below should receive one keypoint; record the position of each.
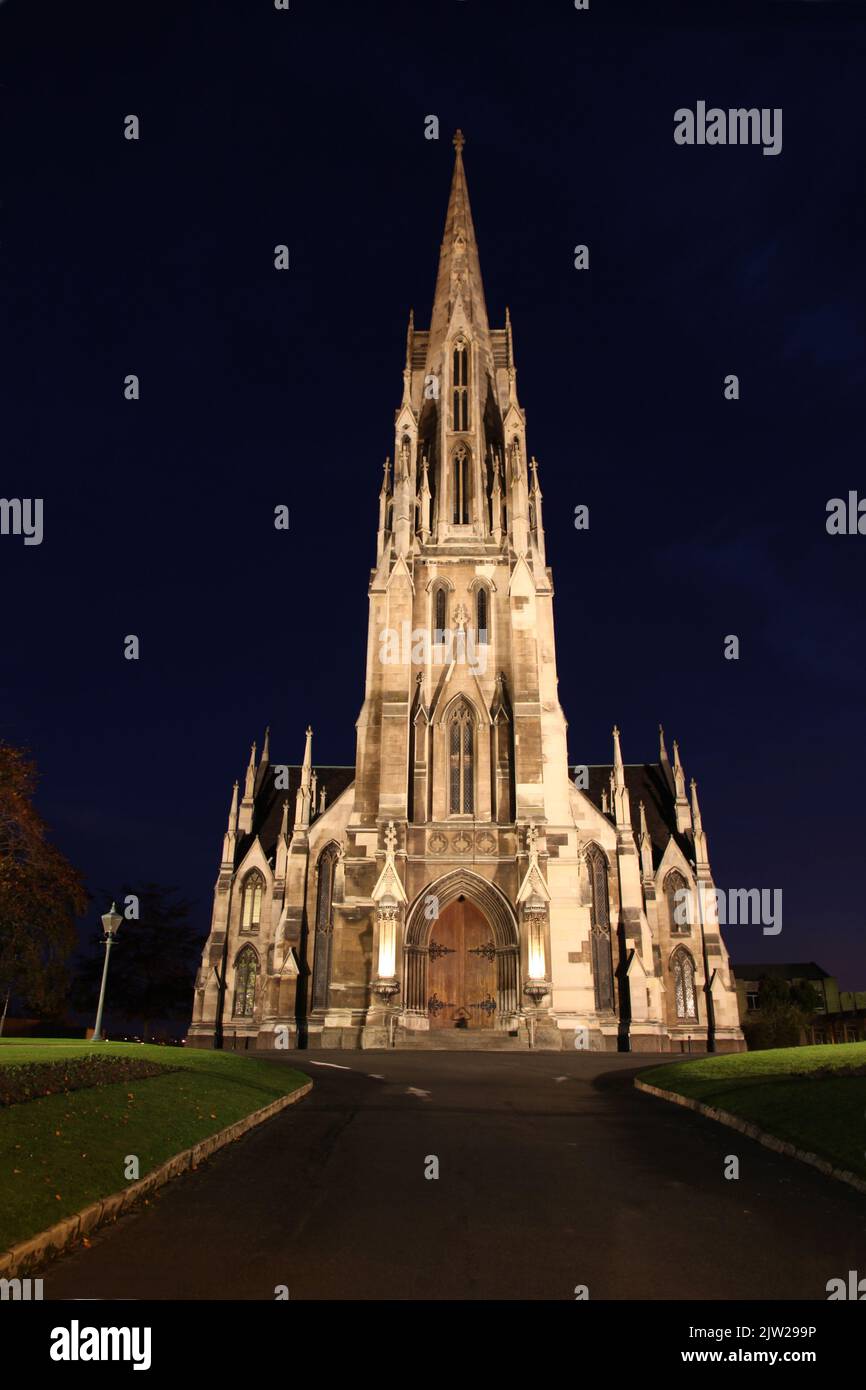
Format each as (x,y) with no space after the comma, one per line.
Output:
(460,763)
(246,972)
(440,617)
(678,907)
(602,957)
(251,901)
(324,926)
(684,984)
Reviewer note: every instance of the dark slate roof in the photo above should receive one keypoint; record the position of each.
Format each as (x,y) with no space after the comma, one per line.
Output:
(646,782)
(268,805)
(803,971)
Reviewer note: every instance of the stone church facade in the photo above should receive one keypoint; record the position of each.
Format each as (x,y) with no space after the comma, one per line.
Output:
(459,887)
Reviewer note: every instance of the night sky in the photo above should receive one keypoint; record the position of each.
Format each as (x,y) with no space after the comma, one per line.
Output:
(707,517)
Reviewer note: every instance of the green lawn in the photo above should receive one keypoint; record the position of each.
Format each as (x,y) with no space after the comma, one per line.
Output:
(810,1096)
(61,1152)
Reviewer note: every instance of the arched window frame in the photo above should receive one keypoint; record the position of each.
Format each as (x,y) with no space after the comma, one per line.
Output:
(675,881)
(327,868)
(482,615)
(461,753)
(325,879)
(460,385)
(246,979)
(685,987)
(252,897)
(461,461)
(602,947)
(440,615)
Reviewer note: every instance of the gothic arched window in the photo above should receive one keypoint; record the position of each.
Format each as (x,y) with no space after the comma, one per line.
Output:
(440,616)
(482,616)
(460,385)
(461,485)
(251,900)
(461,742)
(683,970)
(324,925)
(602,956)
(246,973)
(677,897)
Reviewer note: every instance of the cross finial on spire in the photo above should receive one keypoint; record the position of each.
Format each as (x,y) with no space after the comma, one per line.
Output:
(459,140)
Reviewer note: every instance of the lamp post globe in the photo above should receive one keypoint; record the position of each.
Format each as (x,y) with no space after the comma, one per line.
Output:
(111,920)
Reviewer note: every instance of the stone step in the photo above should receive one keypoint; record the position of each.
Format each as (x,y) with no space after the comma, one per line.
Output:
(466,1040)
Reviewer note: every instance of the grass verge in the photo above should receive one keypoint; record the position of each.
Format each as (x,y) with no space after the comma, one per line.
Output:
(61,1152)
(813,1097)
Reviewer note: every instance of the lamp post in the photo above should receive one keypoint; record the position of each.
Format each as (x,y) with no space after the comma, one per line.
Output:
(110,922)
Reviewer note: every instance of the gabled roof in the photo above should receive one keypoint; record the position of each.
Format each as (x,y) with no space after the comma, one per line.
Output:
(268,805)
(807,970)
(646,782)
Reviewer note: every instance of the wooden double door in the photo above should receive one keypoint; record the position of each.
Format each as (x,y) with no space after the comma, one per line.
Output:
(461,970)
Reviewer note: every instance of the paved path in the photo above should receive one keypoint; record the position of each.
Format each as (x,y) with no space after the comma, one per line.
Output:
(553,1172)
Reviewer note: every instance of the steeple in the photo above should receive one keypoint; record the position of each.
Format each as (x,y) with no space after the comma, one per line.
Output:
(459,275)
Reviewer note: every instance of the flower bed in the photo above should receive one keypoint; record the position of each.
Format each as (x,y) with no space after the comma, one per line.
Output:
(31,1080)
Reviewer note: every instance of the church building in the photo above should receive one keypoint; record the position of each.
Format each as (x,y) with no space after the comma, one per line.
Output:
(461,886)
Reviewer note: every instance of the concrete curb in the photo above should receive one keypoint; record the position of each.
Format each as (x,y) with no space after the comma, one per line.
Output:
(27,1255)
(724,1117)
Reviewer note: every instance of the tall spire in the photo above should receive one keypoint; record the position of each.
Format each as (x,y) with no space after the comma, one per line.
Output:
(459,272)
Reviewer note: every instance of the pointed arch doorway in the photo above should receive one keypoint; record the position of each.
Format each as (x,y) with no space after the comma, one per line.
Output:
(461,970)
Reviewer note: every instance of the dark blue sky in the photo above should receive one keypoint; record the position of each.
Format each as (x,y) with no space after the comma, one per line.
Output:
(707,517)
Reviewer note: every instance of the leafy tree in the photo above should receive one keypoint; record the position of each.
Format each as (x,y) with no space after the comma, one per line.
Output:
(783,1013)
(153,962)
(806,997)
(41,894)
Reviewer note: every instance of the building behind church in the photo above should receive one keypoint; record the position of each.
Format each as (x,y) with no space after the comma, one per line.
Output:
(458,887)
